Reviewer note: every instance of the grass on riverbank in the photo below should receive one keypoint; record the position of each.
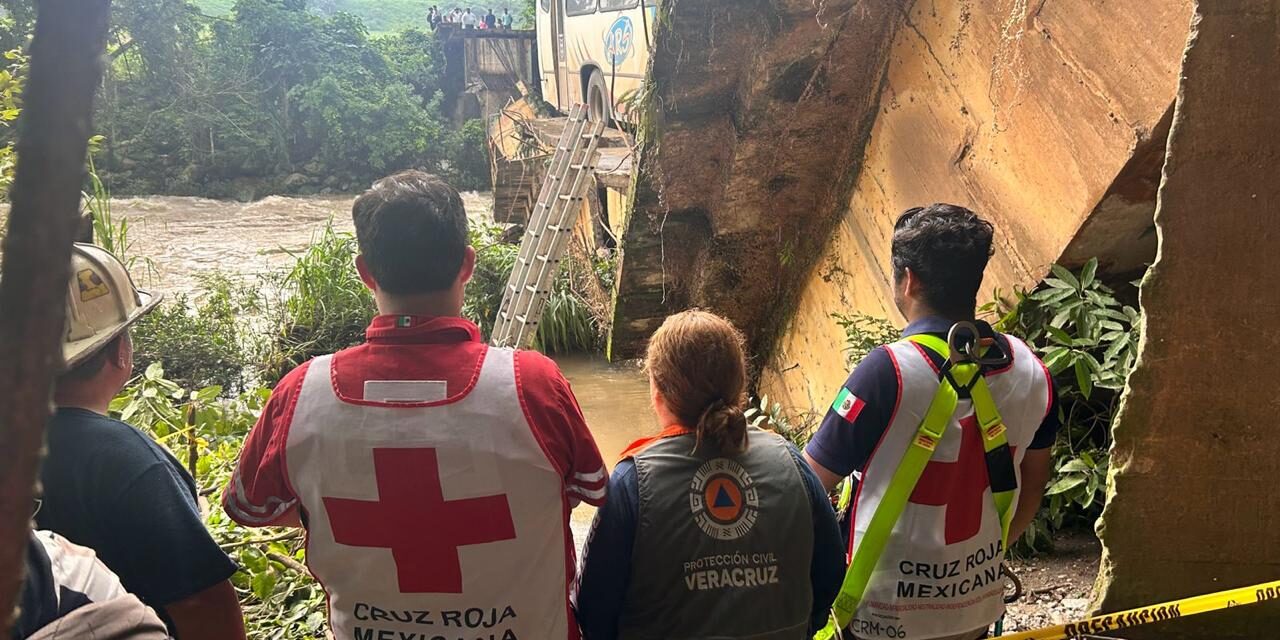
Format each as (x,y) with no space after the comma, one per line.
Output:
(236,333)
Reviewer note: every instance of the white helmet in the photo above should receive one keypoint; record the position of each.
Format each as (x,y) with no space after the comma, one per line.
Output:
(101,302)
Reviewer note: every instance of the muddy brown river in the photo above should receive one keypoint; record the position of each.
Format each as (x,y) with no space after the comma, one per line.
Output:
(185,237)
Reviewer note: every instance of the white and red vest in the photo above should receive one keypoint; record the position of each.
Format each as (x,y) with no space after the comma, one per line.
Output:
(431,519)
(940,572)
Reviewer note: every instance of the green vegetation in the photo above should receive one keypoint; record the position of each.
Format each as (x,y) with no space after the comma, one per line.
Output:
(236,333)
(324,307)
(201,343)
(863,333)
(278,96)
(797,429)
(1089,340)
(12,79)
(206,429)
(494,261)
(383,16)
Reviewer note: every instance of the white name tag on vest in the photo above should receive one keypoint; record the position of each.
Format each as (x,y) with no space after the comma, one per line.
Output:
(405,391)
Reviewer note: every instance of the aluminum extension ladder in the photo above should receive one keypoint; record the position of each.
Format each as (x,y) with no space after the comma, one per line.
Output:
(546,236)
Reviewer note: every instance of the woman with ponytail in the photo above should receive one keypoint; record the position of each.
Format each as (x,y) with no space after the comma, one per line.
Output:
(712,528)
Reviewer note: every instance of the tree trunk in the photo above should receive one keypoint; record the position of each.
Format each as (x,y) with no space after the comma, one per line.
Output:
(70,37)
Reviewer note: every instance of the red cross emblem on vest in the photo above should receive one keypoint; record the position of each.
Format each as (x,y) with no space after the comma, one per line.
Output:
(412,518)
(960,486)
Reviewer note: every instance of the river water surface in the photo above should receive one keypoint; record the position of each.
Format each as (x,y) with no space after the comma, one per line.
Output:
(185,237)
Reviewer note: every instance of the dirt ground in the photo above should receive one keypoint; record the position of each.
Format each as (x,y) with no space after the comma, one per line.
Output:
(1057,586)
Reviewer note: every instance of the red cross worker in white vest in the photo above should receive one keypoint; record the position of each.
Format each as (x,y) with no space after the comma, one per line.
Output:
(944,437)
(434,475)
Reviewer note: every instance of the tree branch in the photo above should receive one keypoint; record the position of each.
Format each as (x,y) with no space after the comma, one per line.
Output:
(70,37)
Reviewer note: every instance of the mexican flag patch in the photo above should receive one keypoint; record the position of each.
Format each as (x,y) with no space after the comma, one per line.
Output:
(847,405)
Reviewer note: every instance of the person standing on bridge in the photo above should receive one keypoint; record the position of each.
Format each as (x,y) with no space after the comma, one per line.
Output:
(434,475)
(490,20)
(944,438)
(507,19)
(469,19)
(712,529)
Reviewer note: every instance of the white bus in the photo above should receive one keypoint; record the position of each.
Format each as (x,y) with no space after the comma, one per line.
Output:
(594,51)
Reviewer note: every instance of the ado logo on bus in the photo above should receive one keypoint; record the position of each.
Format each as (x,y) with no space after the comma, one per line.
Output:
(618,40)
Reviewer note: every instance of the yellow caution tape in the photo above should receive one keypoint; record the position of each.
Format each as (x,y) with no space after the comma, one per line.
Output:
(1154,613)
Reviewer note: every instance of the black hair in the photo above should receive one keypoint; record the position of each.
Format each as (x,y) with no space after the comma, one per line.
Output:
(412,231)
(947,248)
(91,366)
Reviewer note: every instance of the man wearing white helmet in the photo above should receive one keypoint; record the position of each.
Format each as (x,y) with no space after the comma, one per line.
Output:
(108,486)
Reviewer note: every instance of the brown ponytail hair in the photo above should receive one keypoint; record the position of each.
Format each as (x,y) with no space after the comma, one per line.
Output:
(696,360)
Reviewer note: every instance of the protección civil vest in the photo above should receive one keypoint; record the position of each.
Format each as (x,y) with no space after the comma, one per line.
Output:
(723,544)
(939,572)
(437,519)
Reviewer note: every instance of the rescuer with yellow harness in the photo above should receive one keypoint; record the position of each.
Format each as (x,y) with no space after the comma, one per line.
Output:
(945,439)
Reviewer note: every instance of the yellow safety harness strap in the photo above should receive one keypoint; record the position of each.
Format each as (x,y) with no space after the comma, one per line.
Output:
(907,475)
(995,436)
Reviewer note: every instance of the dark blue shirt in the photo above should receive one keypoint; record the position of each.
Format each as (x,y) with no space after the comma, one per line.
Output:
(109,487)
(38,599)
(844,446)
(606,565)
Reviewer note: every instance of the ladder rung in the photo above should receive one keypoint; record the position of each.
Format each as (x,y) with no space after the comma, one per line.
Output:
(563,188)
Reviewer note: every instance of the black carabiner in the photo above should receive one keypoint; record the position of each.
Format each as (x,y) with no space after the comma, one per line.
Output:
(972,348)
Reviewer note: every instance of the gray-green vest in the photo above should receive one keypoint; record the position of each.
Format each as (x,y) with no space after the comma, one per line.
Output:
(723,545)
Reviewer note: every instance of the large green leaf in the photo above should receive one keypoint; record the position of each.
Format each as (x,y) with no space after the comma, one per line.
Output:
(1116,314)
(1057,359)
(1114,348)
(1064,313)
(1059,284)
(1075,466)
(1090,492)
(1059,336)
(1087,274)
(1065,484)
(1083,379)
(1052,296)
(1093,363)
(1066,276)
(264,584)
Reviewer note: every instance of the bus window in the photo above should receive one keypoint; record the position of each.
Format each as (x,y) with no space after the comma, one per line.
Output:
(579,7)
(618,5)
(546,5)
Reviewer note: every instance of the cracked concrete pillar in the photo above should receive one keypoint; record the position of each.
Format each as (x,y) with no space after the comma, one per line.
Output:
(1194,506)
